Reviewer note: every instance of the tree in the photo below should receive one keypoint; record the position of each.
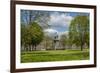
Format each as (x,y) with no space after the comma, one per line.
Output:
(79,31)
(41,17)
(28,18)
(36,34)
(48,42)
(63,40)
(25,36)
(31,35)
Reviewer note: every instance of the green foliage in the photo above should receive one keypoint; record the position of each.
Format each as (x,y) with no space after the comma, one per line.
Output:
(79,31)
(31,34)
(36,33)
(25,35)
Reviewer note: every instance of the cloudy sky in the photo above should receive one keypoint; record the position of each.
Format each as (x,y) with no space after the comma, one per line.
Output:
(59,21)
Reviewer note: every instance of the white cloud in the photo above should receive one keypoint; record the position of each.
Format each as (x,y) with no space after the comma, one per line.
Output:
(60,20)
(51,33)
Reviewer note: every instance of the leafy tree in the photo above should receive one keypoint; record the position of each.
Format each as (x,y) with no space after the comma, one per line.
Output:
(79,31)
(22,34)
(36,34)
(63,40)
(25,36)
(31,35)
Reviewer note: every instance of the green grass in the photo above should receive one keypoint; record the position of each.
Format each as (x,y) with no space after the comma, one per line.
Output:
(54,55)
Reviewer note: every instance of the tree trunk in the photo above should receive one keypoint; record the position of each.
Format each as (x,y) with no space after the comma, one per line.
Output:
(46,44)
(81,47)
(35,47)
(81,42)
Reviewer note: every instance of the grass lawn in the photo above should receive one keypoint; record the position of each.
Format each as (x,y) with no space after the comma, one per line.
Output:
(54,55)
